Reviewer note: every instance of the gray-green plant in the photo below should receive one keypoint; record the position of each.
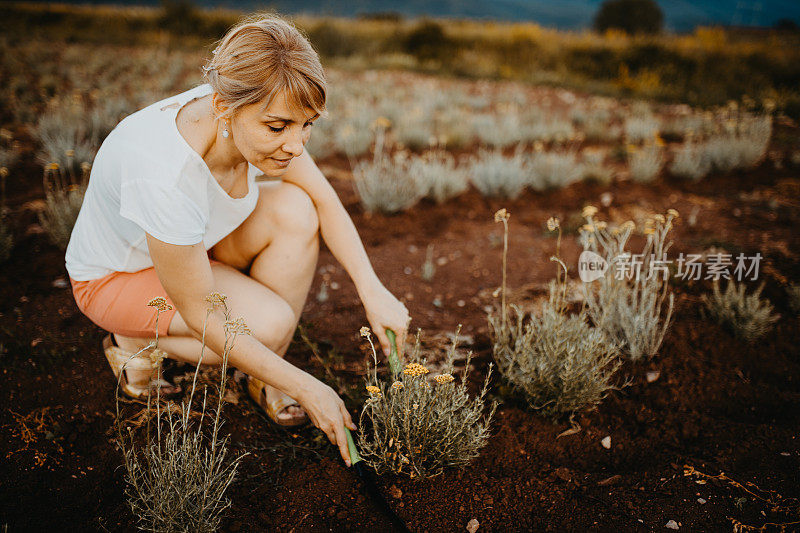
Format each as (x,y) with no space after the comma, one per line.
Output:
(6,236)
(384,183)
(645,163)
(438,176)
(176,482)
(793,291)
(549,170)
(558,361)
(690,162)
(627,303)
(498,176)
(418,427)
(63,199)
(747,316)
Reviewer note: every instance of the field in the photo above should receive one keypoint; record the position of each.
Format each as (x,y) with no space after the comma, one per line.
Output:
(703,433)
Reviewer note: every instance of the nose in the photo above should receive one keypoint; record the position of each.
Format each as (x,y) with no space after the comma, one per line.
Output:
(294,143)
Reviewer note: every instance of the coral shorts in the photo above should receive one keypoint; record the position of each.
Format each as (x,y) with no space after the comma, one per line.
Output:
(118,301)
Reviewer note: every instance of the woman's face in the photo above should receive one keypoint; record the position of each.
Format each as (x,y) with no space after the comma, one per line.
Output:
(270,138)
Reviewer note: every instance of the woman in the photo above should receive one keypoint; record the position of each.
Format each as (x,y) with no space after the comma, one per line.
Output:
(173,209)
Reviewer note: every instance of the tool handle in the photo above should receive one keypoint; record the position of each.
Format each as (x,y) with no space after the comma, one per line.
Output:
(394,360)
(351,446)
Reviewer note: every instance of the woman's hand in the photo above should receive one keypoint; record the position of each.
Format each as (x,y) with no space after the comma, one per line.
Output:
(327,411)
(386,311)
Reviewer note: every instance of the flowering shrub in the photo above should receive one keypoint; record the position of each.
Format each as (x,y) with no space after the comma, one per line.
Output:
(559,362)
(628,305)
(746,316)
(419,427)
(178,483)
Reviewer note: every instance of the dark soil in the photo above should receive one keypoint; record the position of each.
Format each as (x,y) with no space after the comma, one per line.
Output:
(718,405)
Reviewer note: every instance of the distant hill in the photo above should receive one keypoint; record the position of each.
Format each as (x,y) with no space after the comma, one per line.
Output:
(680,15)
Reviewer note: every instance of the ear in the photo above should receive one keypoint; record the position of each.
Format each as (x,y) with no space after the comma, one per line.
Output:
(217,107)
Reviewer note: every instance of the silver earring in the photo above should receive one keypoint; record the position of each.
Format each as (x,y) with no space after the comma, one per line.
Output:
(225,132)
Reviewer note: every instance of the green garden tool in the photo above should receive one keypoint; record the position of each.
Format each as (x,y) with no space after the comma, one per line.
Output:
(369,485)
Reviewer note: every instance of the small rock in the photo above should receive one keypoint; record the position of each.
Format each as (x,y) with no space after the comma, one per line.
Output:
(672,524)
(653,375)
(563,473)
(334,286)
(605,199)
(60,283)
(412,249)
(395,492)
(437,302)
(786,454)
(613,480)
(472,526)
(461,303)
(701,501)
(606,442)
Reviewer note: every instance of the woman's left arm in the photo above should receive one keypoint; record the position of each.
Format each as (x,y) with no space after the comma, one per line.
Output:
(340,235)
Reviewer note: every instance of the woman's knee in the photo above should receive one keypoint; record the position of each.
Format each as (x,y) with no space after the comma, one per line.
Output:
(274,327)
(294,211)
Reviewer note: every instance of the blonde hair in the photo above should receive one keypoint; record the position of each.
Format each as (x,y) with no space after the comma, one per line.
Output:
(261,56)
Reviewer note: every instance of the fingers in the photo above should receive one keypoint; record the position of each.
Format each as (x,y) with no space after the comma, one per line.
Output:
(383,339)
(348,421)
(341,441)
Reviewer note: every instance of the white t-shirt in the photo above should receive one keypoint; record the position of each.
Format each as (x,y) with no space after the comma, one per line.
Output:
(146,178)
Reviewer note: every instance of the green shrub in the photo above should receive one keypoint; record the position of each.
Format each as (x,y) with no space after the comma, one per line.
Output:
(631,16)
(419,427)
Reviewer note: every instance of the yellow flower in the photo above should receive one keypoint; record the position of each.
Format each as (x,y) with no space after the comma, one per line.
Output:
(364,331)
(373,390)
(216,298)
(70,153)
(588,227)
(601,225)
(160,303)
(673,213)
(397,385)
(382,122)
(649,231)
(589,211)
(157,356)
(501,215)
(237,326)
(86,166)
(415,369)
(444,378)
(552,224)
(3,172)
(52,166)
(628,224)
(415,406)
(659,218)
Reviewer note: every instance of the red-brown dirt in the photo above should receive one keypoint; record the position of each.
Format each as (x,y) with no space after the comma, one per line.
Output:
(719,405)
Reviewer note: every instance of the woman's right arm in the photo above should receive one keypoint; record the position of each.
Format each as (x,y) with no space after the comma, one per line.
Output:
(185,274)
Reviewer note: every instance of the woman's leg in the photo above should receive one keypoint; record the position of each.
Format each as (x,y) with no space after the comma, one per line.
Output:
(278,245)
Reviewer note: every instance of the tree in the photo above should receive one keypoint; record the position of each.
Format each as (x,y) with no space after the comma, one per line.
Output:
(631,16)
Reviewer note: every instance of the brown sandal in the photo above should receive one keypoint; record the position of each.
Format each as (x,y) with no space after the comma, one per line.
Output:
(122,360)
(256,389)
